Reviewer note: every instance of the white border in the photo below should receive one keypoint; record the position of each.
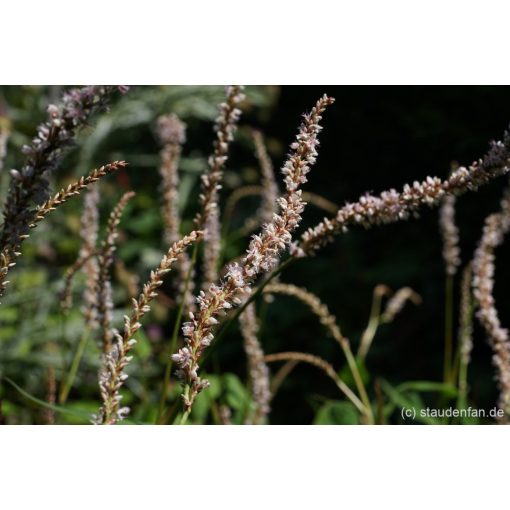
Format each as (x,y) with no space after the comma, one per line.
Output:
(258,42)
(268,41)
(253,467)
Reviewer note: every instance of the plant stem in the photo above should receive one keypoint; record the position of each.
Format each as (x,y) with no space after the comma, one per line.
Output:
(185,416)
(68,382)
(175,333)
(448,329)
(353,366)
(463,364)
(373,325)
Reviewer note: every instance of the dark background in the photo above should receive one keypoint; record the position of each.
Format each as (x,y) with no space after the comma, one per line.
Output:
(376,138)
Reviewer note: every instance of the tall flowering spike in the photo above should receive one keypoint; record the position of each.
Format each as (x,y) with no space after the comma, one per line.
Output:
(269,185)
(257,368)
(172,133)
(450,234)
(88,233)
(327,319)
(262,255)
(495,228)
(396,303)
(7,256)
(321,364)
(112,374)
(208,217)
(465,319)
(103,289)
(391,206)
(30,185)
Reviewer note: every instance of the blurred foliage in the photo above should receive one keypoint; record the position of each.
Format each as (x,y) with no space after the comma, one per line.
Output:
(374,138)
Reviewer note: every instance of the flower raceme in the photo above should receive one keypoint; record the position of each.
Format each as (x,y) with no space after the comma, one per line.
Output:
(30,184)
(495,228)
(261,257)
(208,218)
(8,256)
(391,206)
(112,374)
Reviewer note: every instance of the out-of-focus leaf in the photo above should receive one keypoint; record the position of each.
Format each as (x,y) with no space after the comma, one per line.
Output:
(429,386)
(408,401)
(337,413)
(236,394)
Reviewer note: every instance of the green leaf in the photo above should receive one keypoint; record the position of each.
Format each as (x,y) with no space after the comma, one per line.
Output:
(337,413)
(408,401)
(42,403)
(236,394)
(447,390)
(143,346)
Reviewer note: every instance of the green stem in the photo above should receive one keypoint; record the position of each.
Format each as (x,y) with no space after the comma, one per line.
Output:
(463,365)
(175,333)
(185,416)
(373,324)
(68,382)
(353,366)
(448,329)
(462,395)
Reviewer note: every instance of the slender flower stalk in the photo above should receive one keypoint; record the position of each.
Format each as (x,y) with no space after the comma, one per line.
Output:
(250,191)
(68,380)
(7,256)
(262,256)
(236,196)
(328,320)
(393,307)
(465,334)
(321,364)
(269,184)
(450,234)
(113,375)
(320,202)
(391,206)
(51,392)
(495,228)
(66,296)
(451,256)
(30,185)
(397,302)
(374,320)
(208,217)
(281,375)
(257,368)
(172,133)
(88,233)
(103,290)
